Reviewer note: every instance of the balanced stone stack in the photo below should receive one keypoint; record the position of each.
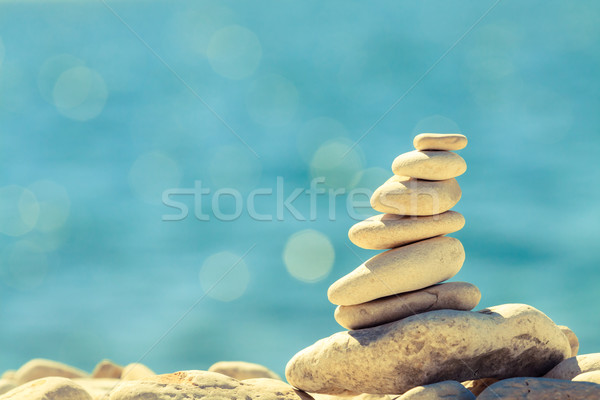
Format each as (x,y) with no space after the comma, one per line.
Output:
(404,281)
(406,328)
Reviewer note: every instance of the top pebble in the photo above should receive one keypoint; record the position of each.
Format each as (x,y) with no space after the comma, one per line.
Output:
(440,141)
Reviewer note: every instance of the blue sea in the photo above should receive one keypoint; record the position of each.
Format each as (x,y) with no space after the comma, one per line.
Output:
(117,117)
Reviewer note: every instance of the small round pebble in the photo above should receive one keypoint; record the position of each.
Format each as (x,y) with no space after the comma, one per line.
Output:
(440,141)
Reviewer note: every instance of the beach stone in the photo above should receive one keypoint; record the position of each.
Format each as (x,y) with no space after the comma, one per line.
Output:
(50,388)
(500,342)
(437,391)
(591,376)
(387,231)
(135,371)
(9,374)
(573,341)
(6,385)
(540,389)
(203,384)
(571,367)
(318,396)
(241,370)
(98,388)
(409,196)
(451,295)
(107,369)
(440,141)
(41,368)
(430,165)
(411,267)
(476,386)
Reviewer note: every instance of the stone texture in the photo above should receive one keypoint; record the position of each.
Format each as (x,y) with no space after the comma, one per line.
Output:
(573,341)
(408,196)
(50,388)
(451,295)
(437,391)
(540,389)
(591,376)
(241,370)
(440,141)
(135,371)
(386,231)
(6,385)
(41,368)
(202,384)
(107,369)
(500,342)
(318,396)
(411,267)
(430,165)
(571,367)
(476,386)
(98,388)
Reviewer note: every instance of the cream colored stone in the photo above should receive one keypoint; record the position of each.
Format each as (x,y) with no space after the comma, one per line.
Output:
(451,295)
(50,388)
(503,341)
(107,369)
(203,384)
(241,370)
(408,196)
(41,368)
(440,141)
(9,374)
(98,388)
(386,231)
(438,391)
(476,386)
(6,385)
(318,396)
(571,367)
(411,267)
(572,339)
(135,371)
(591,376)
(430,165)
(540,389)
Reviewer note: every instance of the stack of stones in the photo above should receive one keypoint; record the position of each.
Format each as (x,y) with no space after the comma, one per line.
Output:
(404,281)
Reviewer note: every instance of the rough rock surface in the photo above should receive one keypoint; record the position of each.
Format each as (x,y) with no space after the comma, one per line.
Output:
(572,339)
(451,295)
(386,231)
(440,141)
(501,342)
(50,388)
(430,165)
(197,385)
(540,389)
(571,367)
(411,267)
(241,370)
(437,391)
(41,368)
(408,196)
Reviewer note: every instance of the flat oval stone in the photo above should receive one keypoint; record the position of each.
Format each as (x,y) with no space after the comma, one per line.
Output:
(386,231)
(591,376)
(41,368)
(408,196)
(540,389)
(440,141)
(501,342)
(436,391)
(241,370)
(135,371)
(49,388)
(571,367)
(404,269)
(431,165)
(572,339)
(451,295)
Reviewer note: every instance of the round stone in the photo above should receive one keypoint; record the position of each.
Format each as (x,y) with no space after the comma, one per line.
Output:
(440,141)
(431,165)
(409,196)
(386,231)
(451,295)
(572,339)
(242,370)
(571,367)
(411,267)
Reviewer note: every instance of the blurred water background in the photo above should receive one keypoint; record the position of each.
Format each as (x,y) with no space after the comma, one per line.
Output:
(96,123)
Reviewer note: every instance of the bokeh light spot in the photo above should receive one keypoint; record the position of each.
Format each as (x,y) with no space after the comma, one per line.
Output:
(54,204)
(80,93)
(152,174)
(317,131)
(24,265)
(338,161)
(19,210)
(309,255)
(51,70)
(272,100)
(224,276)
(235,167)
(234,52)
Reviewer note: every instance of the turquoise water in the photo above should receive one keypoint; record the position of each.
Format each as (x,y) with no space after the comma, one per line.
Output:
(95,127)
